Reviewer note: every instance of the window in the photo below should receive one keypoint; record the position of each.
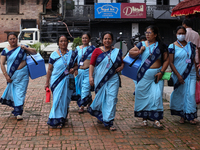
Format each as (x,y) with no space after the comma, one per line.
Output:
(12,6)
(162,2)
(122,1)
(26,35)
(89,2)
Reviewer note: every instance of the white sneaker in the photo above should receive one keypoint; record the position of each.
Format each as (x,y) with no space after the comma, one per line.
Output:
(19,117)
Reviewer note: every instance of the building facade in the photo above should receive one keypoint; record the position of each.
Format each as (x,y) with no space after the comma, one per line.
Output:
(79,15)
(14,11)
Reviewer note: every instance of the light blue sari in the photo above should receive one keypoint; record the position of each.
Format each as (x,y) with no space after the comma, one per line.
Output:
(106,83)
(182,100)
(60,88)
(148,94)
(15,92)
(82,79)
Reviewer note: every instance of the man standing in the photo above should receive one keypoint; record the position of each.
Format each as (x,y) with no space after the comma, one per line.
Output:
(192,36)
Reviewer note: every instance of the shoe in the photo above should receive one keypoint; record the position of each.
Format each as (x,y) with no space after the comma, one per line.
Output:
(144,123)
(157,125)
(19,117)
(81,110)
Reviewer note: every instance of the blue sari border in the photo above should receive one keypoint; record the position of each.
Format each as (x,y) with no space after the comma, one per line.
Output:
(85,101)
(56,121)
(188,68)
(110,72)
(17,62)
(186,116)
(87,53)
(18,110)
(99,116)
(145,66)
(150,115)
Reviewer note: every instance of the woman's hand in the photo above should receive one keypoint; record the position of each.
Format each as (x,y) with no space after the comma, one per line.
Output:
(158,76)
(8,79)
(23,47)
(198,77)
(71,71)
(142,49)
(91,80)
(119,69)
(46,85)
(180,79)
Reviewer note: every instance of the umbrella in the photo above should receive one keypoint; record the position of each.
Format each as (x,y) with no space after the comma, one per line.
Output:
(186,7)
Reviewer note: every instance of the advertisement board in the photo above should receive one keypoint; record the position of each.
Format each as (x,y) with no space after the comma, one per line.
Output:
(107,10)
(133,10)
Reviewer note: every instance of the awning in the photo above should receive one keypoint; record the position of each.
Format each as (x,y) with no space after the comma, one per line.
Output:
(186,7)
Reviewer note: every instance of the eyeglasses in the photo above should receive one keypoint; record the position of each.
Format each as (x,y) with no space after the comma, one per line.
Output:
(147,32)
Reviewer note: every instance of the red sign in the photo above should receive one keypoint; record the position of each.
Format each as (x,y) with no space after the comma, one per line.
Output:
(133,10)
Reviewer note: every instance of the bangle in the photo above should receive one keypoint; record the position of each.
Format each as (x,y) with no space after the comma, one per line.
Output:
(162,72)
(4,73)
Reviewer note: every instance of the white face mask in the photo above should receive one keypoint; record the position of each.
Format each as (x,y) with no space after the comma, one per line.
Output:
(181,37)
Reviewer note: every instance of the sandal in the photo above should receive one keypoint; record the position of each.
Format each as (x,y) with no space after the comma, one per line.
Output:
(192,122)
(182,121)
(57,127)
(60,126)
(99,122)
(81,110)
(112,128)
(144,123)
(157,125)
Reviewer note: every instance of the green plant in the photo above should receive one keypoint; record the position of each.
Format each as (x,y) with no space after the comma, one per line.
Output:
(39,46)
(77,41)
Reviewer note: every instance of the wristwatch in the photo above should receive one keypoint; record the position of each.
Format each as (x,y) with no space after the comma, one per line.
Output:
(162,72)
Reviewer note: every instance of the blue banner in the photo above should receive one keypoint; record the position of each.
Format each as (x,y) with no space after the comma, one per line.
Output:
(107,10)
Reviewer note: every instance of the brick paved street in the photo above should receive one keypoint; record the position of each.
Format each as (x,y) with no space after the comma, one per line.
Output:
(82,131)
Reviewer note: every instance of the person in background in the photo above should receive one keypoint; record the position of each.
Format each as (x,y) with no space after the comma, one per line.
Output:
(16,74)
(60,77)
(182,63)
(83,87)
(149,88)
(105,62)
(192,36)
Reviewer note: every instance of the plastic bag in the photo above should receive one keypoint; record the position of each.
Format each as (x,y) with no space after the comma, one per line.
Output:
(48,95)
(197,93)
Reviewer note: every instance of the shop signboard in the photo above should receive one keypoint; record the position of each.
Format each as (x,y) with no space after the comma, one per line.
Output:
(107,10)
(133,10)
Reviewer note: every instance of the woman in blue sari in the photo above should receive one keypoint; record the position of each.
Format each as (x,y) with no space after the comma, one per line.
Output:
(59,78)
(16,74)
(182,62)
(105,64)
(149,89)
(84,53)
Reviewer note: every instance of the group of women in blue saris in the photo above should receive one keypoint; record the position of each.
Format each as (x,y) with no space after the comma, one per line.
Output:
(96,67)
(99,67)
(149,87)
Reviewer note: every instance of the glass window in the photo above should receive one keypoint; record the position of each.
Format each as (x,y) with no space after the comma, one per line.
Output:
(26,35)
(162,2)
(12,6)
(89,2)
(122,1)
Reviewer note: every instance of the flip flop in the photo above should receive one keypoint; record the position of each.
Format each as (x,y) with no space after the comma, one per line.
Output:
(112,128)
